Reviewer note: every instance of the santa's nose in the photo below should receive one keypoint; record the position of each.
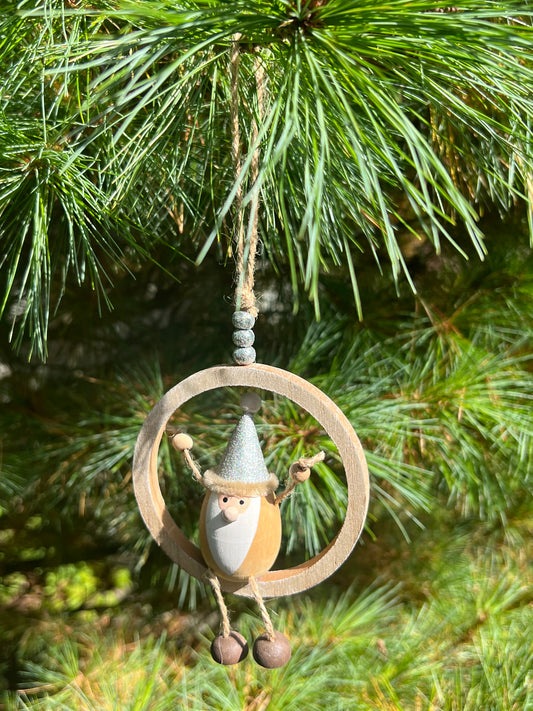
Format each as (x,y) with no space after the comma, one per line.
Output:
(231,513)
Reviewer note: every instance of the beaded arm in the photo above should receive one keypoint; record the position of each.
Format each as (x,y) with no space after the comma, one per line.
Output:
(183,443)
(299,472)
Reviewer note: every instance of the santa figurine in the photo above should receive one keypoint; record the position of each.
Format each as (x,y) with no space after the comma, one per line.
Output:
(240,529)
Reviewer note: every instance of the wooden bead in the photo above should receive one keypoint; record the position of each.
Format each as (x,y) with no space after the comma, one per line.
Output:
(261,377)
(272,653)
(182,441)
(229,650)
(251,402)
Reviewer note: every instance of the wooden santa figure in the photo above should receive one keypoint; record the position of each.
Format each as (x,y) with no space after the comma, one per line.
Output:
(240,529)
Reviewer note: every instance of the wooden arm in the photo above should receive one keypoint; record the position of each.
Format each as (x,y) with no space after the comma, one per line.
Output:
(183,443)
(299,472)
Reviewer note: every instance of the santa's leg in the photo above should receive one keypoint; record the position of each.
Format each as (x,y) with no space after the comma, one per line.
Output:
(272,649)
(230,647)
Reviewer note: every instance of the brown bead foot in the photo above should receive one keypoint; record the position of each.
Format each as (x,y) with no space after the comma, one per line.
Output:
(229,650)
(272,653)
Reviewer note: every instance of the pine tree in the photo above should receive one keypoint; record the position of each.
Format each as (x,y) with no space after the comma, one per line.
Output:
(388,148)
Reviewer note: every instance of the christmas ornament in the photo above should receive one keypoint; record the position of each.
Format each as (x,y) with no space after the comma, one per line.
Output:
(244,569)
(239,522)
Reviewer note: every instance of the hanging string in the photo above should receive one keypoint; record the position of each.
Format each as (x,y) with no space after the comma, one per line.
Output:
(217,590)
(235,60)
(246,242)
(269,627)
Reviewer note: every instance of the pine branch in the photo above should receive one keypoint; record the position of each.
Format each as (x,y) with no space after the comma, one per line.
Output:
(377,122)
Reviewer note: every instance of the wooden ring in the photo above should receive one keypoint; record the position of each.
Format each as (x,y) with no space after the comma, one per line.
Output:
(169,536)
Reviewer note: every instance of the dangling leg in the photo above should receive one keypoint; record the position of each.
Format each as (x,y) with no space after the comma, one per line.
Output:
(230,647)
(272,649)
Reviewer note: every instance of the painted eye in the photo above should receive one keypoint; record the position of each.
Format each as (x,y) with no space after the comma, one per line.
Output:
(225,499)
(241,502)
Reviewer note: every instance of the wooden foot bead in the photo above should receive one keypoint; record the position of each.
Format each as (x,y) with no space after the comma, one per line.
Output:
(229,650)
(272,653)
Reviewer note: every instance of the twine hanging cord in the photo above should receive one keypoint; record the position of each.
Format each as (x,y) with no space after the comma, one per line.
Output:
(246,240)
(217,591)
(269,627)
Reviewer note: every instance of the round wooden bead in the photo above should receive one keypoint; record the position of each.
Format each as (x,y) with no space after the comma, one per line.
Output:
(242,319)
(244,338)
(272,653)
(244,356)
(229,650)
(251,402)
(300,475)
(182,441)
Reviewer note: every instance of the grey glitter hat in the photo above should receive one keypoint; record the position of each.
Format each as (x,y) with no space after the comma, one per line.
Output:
(242,471)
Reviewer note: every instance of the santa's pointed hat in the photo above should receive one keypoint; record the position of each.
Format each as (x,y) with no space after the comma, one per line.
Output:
(242,470)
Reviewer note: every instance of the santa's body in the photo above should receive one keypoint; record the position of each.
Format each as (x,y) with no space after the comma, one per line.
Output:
(239,536)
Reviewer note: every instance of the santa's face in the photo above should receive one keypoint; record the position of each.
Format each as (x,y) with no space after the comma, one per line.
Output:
(231,524)
(232,507)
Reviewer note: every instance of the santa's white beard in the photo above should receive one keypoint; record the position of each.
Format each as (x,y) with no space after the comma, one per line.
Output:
(229,543)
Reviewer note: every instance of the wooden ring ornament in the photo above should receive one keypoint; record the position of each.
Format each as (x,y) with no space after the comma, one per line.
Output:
(264,377)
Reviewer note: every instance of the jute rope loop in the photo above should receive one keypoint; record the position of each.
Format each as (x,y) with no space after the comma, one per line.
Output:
(167,533)
(246,240)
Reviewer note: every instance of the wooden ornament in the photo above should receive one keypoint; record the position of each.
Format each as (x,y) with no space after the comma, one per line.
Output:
(167,533)
(272,653)
(229,650)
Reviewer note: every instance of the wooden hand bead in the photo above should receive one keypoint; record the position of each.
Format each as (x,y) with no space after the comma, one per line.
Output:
(298,473)
(272,653)
(182,441)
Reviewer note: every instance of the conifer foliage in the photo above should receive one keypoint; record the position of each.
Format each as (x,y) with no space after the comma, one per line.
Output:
(378,120)
(394,272)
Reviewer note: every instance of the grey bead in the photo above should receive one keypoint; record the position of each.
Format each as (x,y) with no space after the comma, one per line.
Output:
(244,356)
(243,339)
(242,319)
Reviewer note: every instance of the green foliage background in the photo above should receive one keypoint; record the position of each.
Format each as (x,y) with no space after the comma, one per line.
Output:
(396,153)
